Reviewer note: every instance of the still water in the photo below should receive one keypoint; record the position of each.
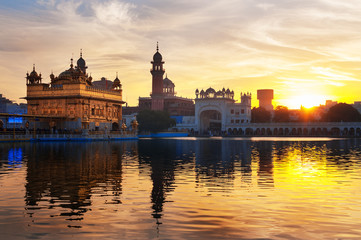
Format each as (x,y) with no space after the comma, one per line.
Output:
(275,188)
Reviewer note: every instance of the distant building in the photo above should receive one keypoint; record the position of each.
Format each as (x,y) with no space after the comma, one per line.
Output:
(163,96)
(71,101)
(130,110)
(8,106)
(265,97)
(357,105)
(103,83)
(3,104)
(330,103)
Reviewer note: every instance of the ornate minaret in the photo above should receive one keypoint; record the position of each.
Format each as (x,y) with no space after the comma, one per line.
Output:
(81,62)
(157,72)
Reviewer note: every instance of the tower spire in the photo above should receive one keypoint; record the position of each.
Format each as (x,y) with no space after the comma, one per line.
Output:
(81,52)
(34,67)
(157,47)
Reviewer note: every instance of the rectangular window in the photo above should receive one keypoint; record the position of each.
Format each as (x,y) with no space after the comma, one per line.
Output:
(232,111)
(237,121)
(93,111)
(237,113)
(242,111)
(232,121)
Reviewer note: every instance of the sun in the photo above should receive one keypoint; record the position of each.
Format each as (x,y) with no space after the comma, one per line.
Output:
(306,101)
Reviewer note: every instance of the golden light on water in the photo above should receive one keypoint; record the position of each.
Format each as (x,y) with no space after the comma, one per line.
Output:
(305,168)
(224,189)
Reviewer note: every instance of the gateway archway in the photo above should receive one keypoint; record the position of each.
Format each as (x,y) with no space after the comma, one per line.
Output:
(211,122)
(115,126)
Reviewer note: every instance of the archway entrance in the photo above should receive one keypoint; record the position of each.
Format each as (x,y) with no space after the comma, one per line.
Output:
(115,126)
(211,122)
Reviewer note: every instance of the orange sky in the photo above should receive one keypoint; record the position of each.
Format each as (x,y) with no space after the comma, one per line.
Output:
(307,51)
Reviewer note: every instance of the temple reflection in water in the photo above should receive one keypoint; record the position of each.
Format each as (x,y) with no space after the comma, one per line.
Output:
(73,179)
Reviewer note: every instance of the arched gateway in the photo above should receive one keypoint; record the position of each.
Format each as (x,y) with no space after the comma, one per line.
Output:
(210,121)
(217,111)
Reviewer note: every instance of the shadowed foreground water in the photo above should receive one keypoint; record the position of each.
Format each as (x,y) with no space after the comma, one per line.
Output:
(182,189)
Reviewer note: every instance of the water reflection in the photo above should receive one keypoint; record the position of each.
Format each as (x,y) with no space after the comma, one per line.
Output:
(163,188)
(263,154)
(68,175)
(163,157)
(11,156)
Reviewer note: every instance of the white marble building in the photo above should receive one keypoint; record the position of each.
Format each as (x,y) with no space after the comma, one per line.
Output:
(217,112)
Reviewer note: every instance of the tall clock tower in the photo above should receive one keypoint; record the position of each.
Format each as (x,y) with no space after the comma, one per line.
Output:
(157,72)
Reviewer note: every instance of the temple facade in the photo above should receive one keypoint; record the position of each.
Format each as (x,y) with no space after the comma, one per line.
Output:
(70,101)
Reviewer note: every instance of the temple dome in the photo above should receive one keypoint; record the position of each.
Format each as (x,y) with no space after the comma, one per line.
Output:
(210,90)
(33,77)
(81,62)
(168,83)
(72,75)
(157,57)
(34,74)
(116,84)
(67,74)
(116,80)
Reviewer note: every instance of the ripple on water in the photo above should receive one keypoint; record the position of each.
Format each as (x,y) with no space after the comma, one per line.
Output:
(182,189)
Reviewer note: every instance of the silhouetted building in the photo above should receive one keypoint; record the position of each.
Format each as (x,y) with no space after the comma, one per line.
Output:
(357,105)
(265,97)
(163,96)
(8,106)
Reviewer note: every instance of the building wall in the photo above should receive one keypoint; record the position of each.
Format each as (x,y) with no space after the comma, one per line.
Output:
(175,106)
(75,106)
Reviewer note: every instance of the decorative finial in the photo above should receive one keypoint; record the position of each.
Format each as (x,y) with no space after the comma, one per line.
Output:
(34,67)
(166,75)
(157,47)
(71,64)
(117,74)
(81,52)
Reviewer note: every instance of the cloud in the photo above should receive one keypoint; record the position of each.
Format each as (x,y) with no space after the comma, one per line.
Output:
(46,3)
(113,12)
(276,43)
(334,83)
(331,74)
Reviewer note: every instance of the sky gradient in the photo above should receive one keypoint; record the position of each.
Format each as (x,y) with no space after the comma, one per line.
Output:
(307,51)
